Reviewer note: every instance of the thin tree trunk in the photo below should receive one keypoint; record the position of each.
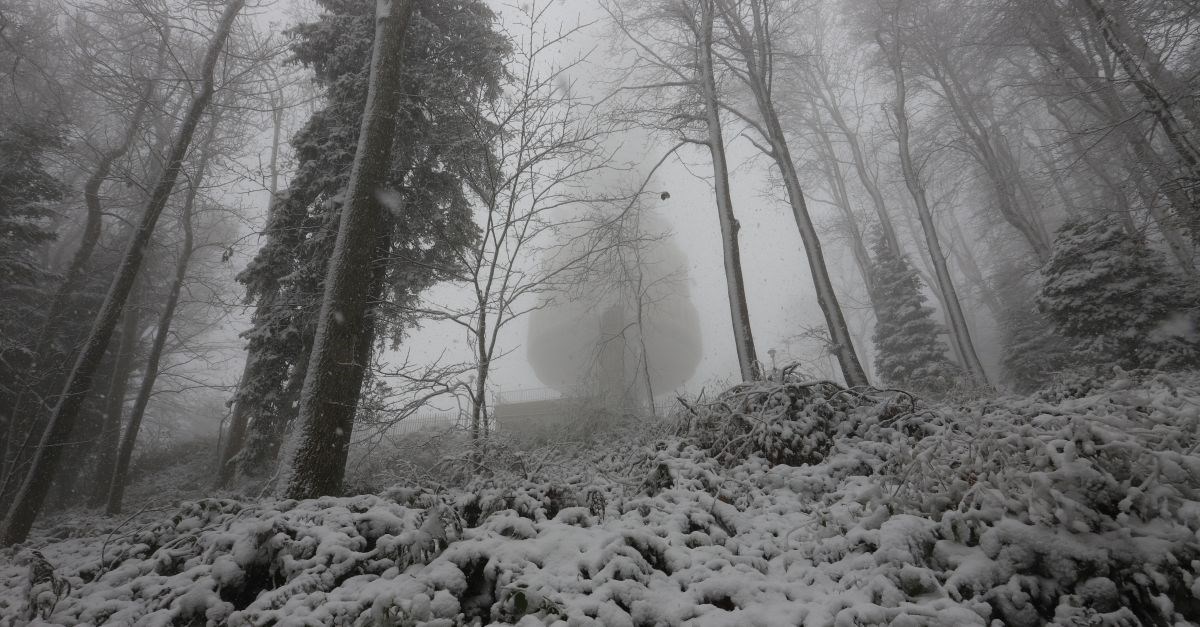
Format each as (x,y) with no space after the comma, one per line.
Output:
(1116,35)
(993,155)
(239,418)
(120,474)
(970,268)
(841,197)
(26,408)
(110,437)
(962,334)
(1180,249)
(276,132)
(641,324)
(48,456)
(1106,104)
(865,175)
(843,344)
(739,310)
(479,394)
(754,48)
(314,462)
(235,437)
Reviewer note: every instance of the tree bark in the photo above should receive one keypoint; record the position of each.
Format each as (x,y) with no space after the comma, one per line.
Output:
(739,309)
(110,437)
(314,462)
(48,456)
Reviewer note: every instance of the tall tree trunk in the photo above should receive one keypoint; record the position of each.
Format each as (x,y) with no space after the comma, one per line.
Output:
(1118,36)
(235,437)
(739,309)
(640,313)
(239,418)
(120,474)
(315,459)
(843,344)
(971,269)
(994,157)
(912,179)
(29,499)
(841,198)
(754,48)
(866,176)
(110,437)
(27,408)
(1098,94)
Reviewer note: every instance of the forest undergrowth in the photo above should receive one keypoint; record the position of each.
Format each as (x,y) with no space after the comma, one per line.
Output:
(784,502)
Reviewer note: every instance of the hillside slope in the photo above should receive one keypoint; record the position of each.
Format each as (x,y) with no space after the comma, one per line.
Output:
(794,503)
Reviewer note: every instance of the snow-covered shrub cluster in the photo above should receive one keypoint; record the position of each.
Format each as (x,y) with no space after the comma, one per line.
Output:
(778,504)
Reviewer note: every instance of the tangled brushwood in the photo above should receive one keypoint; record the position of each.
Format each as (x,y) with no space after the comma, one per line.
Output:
(784,502)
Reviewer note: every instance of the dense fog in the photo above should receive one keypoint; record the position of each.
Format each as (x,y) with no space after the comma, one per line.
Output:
(759,286)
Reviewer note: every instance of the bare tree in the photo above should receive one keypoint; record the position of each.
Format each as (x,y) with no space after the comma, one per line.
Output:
(44,371)
(1092,104)
(941,45)
(683,63)
(542,144)
(753,29)
(1163,92)
(187,247)
(28,502)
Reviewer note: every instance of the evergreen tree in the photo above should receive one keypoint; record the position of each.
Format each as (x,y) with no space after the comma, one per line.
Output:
(1032,349)
(1111,292)
(453,62)
(907,352)
(27,192)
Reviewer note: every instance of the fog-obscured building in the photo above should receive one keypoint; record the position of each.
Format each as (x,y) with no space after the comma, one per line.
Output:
(591,350)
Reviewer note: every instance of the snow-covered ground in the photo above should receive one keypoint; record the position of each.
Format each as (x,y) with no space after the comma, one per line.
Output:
(776,504)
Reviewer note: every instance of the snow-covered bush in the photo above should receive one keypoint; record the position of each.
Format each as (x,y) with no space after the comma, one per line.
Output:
(785,422)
